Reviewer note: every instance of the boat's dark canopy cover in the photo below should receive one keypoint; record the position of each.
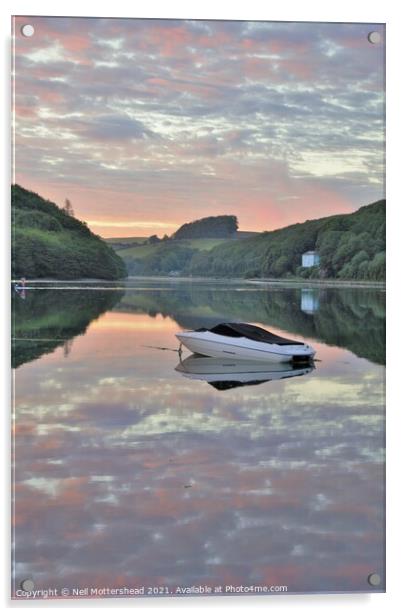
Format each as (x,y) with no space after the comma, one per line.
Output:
(224,385)
(252,332)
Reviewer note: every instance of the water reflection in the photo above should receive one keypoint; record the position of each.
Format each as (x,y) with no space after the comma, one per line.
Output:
(344,317)
(223,374)
(341,317)
(129,474)
(49,318)
(310,300)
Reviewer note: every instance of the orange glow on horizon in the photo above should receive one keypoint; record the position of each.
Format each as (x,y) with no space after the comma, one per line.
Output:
(129,322)
(88,203)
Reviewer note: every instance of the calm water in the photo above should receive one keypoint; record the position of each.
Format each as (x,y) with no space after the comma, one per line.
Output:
(131,473)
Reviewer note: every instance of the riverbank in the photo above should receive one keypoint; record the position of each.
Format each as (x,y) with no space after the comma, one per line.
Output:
(326,282)
(302,282)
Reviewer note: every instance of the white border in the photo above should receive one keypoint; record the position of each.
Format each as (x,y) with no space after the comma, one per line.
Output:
(292,10)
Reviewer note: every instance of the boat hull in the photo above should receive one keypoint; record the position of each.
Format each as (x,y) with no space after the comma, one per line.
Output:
(214,345)
(243,371)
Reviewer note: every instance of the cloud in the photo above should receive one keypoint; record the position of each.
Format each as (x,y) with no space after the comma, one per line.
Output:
(153,107)
(114,128)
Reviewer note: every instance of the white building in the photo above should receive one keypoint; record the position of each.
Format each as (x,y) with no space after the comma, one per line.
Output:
(310,258)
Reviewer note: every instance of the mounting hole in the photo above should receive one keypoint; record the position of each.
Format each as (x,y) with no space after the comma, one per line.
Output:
(27,30)
(27,585)
(374,579)
(374,38)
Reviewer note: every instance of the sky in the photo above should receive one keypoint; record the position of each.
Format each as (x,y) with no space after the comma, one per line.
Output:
(147,124)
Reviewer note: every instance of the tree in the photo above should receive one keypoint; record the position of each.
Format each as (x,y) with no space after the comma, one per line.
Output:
(281,266)
(376,270)
(212,226)
(68,208)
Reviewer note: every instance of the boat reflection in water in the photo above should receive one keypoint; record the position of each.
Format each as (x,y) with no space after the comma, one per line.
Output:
(225,374)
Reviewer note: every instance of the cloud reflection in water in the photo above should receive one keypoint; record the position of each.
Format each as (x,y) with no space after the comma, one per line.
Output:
(128,473)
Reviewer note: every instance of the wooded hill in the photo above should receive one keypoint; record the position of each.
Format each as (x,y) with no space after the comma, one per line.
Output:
(212,226)
(350,246)
(47,242)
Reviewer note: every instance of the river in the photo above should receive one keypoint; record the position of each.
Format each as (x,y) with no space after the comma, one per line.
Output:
(134,471)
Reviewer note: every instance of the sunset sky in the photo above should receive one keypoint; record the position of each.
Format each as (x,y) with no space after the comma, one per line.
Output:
(147,124)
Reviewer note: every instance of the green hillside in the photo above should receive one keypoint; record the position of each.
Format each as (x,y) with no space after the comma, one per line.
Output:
(164,256)
(350,246)
(49,243)
(120,243)
(153,255)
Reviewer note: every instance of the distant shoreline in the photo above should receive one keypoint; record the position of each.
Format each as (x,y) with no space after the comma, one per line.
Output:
(375,284)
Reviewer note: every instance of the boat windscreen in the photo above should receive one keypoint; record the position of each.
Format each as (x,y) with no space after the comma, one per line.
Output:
(225,329)
(252,332)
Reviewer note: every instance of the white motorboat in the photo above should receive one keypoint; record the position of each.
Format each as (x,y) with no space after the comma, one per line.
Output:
(245,341)
(225,374)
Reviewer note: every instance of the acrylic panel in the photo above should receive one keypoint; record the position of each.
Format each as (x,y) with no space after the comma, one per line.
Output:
(220,181)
